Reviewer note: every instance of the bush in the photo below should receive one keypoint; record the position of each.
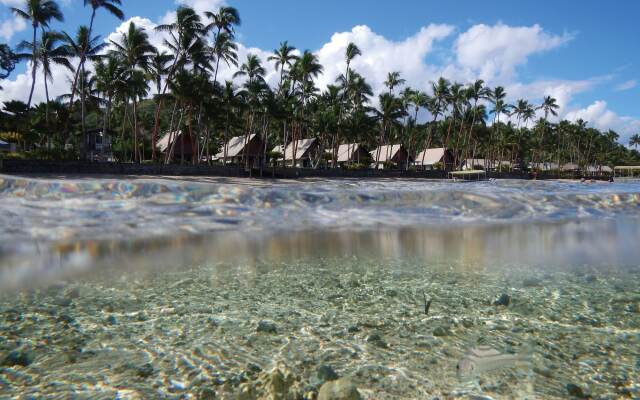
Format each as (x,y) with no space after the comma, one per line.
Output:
(389,165)
(438,166)
(356,166)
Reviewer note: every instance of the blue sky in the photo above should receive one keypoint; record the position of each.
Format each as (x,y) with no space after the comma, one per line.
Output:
(582,52)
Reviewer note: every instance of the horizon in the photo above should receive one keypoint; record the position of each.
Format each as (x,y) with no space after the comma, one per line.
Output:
(529,49)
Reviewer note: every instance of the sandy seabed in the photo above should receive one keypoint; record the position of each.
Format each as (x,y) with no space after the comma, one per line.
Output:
(264,330)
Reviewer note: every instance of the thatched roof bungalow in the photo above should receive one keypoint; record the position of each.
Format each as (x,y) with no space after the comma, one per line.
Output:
(352,152)
(239,147)
(306,152)
(390,154)
(178,144)
(428,158)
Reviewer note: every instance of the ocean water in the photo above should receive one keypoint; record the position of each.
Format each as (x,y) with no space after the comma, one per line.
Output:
(214,288)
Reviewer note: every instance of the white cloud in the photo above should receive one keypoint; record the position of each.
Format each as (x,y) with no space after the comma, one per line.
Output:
(19,88)
(12,3)
(10,27)
(628,85)
(599,116)
(381,55)
(493,52)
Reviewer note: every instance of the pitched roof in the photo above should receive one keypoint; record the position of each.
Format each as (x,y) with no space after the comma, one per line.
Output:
(430,156)
(387,152)
(163,143)
(346,151)
(235,146)
(303,147)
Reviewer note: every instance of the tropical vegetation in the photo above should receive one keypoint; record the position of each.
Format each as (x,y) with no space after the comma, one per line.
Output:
(138,93)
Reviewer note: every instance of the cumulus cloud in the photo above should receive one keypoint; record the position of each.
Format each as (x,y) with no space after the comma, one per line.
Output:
(10,27)
(628,85)
(381,55)
(493,52)
(599,116)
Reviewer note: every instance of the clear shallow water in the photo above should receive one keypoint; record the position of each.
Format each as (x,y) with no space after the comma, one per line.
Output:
(156,288)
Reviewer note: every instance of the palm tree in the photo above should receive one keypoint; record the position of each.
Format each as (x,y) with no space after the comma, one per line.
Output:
(419,100)
(48,52)
(112,7)
(548,106)
(224,20)
(283,57)
(391,110)
(134,52)
(252,69)
(496,98)
(108,78)
(40,13)
(7,61)
(185,33)
(393,80)
(634,141)
(351,52)
(308,67)
(158,67)
(87,47)
(476,92)
(436,106)
(225,49)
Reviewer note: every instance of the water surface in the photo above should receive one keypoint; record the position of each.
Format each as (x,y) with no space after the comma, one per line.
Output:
(151,288)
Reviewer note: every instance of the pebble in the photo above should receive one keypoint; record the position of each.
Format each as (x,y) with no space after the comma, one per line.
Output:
(18,357)
(145,371)
(575,391)
(531,282)
(633,308)
(376,339)
(503,300)
(325,374)
(62,301)
(267,327)
(177,385)
(207,394)
(342,389)
(441,331)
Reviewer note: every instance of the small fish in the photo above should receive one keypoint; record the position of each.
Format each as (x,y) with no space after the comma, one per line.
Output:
(481,359)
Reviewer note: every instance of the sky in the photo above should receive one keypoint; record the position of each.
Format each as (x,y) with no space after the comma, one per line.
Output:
(584,53)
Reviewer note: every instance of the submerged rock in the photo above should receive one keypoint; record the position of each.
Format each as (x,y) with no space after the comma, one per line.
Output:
(265,326)
(575,391)
(145,371)
(325,373)
(342,389)
(18,357)
(376,339)
(591,278)
(503,300)
(531,282)
(441,331)
(207,394)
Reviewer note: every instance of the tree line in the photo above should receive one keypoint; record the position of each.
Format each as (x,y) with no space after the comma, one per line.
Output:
(111,83)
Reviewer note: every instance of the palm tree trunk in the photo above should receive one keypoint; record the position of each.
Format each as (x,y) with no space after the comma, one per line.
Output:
(34,66)
(136,150)
(46,105)
(84,128)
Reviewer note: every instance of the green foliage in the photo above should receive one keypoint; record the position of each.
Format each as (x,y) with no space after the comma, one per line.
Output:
(471,120)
